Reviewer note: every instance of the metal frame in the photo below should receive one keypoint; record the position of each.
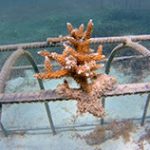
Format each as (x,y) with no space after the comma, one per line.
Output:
(5,74)
(136,47)
(19,50)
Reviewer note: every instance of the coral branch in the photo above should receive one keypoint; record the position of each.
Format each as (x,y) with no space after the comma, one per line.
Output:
(69,27)
(79,62)
(51,75)
(47,64)
(89,29)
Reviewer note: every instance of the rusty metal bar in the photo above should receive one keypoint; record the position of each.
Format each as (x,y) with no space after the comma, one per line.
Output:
(102,40)
(48,95)
(32,45)
(57,42)
(120,39)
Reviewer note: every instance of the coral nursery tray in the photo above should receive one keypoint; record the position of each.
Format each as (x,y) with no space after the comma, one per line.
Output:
(49,95)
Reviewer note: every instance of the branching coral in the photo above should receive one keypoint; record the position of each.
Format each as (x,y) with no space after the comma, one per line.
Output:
(79,62)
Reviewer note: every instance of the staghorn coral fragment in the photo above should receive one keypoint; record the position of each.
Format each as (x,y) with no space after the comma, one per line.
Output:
(79,62)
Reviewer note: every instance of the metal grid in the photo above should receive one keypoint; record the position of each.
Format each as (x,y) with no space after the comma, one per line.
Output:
(45,96)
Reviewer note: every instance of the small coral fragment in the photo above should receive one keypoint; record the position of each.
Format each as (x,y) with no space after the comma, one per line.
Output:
(80,62)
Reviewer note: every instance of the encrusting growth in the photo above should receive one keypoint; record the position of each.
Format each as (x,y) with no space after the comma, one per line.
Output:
(79,62)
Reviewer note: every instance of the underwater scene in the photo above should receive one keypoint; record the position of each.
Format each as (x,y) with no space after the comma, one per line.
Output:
(75,75)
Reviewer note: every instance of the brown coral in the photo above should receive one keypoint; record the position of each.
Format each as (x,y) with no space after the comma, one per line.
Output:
(79,62)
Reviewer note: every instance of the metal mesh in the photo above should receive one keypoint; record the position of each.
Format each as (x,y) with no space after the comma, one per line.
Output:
(132,68)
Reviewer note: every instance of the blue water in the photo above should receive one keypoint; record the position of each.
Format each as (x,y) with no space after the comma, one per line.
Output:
(33,20)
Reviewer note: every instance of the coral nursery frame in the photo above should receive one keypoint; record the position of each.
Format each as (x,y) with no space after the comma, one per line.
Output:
(45,96)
